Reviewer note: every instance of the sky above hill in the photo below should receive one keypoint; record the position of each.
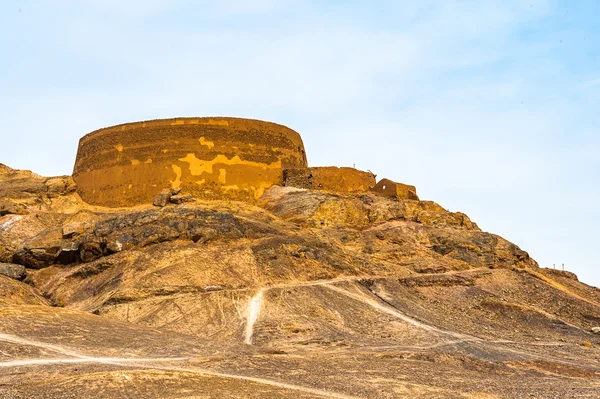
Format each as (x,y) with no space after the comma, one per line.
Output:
(491,108)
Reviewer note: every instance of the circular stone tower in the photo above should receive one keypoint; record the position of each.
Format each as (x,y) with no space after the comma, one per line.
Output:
(215,158)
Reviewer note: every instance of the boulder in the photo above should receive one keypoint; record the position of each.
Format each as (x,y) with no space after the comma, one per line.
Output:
(73,229)
(13,271)
(163,198)
(596,330)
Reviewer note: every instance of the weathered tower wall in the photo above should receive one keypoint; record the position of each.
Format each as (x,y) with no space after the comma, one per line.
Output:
(330,178)
(229,158)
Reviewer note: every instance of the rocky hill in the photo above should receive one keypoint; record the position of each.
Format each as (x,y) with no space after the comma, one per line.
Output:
(303,294)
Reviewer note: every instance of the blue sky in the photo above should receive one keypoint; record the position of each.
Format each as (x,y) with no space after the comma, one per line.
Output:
(488,107)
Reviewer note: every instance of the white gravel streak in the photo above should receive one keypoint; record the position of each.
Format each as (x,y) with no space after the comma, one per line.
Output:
(87,359)
(384,307)
(253,312)
(6,226)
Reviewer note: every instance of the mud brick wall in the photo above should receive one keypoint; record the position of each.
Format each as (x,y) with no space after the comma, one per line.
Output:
(215,158)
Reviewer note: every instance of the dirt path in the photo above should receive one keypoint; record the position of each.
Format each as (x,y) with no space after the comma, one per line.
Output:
(23,341)
(87,359)
(384,307)
(146,363)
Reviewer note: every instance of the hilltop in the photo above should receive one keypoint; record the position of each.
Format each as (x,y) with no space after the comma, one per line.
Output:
(321,287)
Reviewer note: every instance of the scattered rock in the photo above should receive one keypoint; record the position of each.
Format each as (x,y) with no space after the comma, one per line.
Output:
(90,251)
(175,191)
(587,344)
(13,271)
(596,330)
(430,269)
(444,280)
(114,247)
(163,198)
(73,229)
(179,199)
(67,253)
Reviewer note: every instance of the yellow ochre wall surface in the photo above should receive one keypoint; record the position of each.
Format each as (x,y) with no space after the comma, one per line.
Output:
(213,158)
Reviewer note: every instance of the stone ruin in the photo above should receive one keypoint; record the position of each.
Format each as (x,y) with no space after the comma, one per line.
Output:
(212,158)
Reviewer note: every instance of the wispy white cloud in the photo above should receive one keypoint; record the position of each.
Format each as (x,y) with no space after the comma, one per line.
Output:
(451,96)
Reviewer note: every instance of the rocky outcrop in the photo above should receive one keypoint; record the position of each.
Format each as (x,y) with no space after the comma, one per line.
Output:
(317,209)
(13,271)
(131,230)
(22,191)
(25,185)
(104,259)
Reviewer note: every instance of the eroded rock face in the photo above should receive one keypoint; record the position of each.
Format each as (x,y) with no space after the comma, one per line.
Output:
(317,209)
(219,158)
(21,189)
(130,230)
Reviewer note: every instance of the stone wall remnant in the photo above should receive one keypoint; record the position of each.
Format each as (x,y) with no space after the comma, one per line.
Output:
(392,189)
(329,178)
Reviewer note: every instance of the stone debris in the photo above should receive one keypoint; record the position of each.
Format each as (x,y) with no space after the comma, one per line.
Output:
(172,196)
(163,198)
(73,229)
(179,199)
(114,247)
(596,330)
(13,271)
